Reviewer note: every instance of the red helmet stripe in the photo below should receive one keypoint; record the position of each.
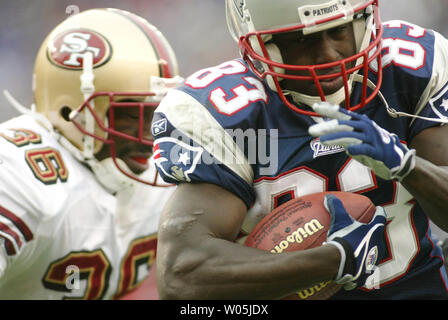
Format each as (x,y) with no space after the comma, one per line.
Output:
(157,42)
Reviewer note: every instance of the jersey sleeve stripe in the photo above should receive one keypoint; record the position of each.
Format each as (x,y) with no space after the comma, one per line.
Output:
(19,223)
(10,238)
(167,62)
(9,246)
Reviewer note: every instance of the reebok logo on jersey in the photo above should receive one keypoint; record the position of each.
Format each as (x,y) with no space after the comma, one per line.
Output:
(159,127)
(320,150)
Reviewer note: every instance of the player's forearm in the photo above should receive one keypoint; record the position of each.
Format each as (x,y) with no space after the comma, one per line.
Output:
(428,183)
(224,270)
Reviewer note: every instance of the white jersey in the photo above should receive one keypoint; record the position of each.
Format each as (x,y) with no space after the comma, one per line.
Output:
(62,235)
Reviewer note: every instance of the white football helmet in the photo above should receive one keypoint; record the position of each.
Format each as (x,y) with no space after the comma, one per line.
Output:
(91,64)
(253,23)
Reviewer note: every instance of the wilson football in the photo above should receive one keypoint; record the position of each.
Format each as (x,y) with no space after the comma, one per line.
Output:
(302,223)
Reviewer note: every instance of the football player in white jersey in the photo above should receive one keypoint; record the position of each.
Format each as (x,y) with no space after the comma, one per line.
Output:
(79,195)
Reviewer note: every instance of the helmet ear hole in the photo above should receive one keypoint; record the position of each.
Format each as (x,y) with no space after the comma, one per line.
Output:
(65,113)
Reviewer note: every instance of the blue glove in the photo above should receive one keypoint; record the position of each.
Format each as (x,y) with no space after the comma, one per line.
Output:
(364,141)
(361,245)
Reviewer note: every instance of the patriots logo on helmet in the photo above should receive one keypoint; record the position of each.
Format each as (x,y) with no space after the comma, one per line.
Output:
(175,159)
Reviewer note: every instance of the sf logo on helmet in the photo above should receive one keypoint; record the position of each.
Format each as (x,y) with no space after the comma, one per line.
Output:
(67,49)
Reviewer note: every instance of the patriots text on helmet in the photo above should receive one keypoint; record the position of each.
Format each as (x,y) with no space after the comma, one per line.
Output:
(325,11)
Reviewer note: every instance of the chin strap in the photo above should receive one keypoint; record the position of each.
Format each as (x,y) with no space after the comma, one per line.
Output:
(105,170)
(335,98)
(391,111)
(109,176)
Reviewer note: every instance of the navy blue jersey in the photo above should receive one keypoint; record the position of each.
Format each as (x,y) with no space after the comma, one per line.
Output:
(227,127)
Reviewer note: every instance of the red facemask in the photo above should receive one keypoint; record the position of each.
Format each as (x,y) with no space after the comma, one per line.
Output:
(112,133)
(316,73)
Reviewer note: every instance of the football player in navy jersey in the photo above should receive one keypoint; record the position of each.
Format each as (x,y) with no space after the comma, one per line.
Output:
(325,97)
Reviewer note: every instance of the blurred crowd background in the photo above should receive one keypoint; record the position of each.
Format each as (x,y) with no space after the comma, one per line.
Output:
(196,29)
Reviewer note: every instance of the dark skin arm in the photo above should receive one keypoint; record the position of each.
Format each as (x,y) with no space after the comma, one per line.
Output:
(428,182)
(197,257)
